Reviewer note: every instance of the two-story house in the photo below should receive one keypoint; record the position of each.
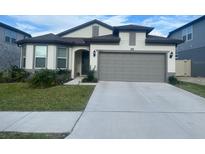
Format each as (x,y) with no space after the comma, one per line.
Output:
(193,47)
(9,51)
(120,53)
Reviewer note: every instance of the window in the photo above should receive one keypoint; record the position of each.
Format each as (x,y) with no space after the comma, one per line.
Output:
(184,38)
(187,33)
(132,38)
(7,39)
(40,56)
(95,31)
(10,36)
(13,40)
(62,57)
(189,36)
(23,62)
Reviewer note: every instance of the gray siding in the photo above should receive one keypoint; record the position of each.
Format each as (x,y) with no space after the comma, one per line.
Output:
(193,49)
(198,37)
(197,57)
(9,53)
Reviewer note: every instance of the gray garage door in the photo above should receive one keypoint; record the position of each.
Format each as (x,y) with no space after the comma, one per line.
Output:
(132,67)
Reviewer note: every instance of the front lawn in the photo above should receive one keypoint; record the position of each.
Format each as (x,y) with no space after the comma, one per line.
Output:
(193,88)
(19,97)
(16,135)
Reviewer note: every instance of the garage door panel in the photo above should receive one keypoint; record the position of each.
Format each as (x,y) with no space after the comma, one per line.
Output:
(131,67)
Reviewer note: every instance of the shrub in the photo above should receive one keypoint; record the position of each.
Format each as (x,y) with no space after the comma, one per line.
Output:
(90,77)
(47,78)
(14,74)
(173,80)
(63,76)
(43,79)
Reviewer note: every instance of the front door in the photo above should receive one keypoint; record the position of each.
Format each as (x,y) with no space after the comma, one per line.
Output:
(85,62)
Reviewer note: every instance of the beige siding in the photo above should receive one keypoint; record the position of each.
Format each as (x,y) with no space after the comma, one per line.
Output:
(87,32)
(29,56)
(51,57)
(140,46)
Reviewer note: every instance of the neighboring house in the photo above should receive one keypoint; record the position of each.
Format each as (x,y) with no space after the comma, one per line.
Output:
(193,47)
(9,51)
(120,53)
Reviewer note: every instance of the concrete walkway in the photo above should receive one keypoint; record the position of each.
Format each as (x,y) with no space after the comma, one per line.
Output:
(38,122)
(141,110)
(197,80)
(78,81)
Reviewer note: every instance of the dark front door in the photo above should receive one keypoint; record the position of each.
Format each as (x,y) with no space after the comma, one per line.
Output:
(85,62)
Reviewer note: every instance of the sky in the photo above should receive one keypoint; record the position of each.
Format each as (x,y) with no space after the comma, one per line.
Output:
(39,25)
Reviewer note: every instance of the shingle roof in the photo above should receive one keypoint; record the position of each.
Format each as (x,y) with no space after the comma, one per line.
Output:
(133,28)
(85,25)
(51,38)
(162,40)
(14,29)
(187,25)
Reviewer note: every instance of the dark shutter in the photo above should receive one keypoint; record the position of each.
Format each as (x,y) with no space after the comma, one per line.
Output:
(132,38)
(95,31)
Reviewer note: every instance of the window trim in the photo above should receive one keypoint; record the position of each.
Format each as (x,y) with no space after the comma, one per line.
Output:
(46,57)
(66,57)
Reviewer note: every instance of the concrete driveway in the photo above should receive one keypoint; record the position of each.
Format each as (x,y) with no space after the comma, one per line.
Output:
(141,110)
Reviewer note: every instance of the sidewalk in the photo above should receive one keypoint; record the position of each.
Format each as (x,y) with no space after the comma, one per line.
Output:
(38,122)
(197,80)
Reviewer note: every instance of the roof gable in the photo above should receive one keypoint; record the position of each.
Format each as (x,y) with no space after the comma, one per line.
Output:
(187,25)
(85,25)
(14,29)
(137,28)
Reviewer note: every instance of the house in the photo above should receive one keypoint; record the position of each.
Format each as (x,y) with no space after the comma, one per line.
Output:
(193,47)
(9,51)
(120,53)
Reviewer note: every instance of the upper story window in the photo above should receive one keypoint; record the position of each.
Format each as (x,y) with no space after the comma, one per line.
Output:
(95,31)
(62,57)
(7,39)
(40,56)
(132,38)
(187,33)
(10,36)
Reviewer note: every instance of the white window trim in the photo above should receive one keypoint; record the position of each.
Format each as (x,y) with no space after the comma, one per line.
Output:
(46,57)
(66,58)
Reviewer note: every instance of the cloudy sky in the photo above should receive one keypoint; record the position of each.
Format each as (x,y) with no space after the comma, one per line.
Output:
(38,25)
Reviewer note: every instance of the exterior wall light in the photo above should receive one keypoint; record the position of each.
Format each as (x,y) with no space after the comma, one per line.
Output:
(94,53)
(171,55)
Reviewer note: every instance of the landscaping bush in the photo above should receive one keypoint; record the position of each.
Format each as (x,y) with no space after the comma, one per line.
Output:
(173,80)
(48,78)
(90,77)
(63,76)
(14,74)
(43,79)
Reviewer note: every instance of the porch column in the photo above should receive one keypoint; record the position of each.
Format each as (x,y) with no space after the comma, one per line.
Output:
(73,64)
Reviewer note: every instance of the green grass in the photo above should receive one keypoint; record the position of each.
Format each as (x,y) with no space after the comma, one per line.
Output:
(19,97)
(15,135)
(193,88)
